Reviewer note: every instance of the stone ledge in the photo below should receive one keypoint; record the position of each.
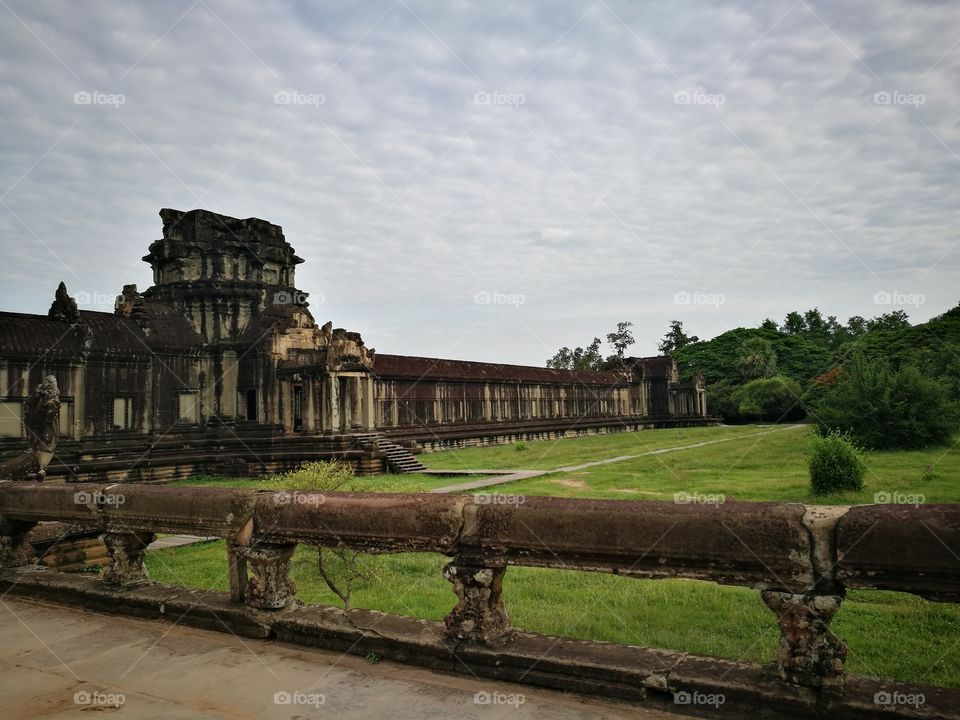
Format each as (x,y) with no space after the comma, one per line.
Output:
(604,669)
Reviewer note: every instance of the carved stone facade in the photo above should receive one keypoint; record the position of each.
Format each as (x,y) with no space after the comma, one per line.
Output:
(220,366)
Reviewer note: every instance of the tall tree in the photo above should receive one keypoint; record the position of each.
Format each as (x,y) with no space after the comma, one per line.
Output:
(621,338)
(676,338)
(588,358)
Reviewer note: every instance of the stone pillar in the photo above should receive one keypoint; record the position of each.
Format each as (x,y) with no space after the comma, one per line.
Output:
(480,615)
(126,550)
(309,408)
(356,402)
(333,402)
(269,586)
(237,571)
(369,404)
(286,406)
(810,654)
(15,551)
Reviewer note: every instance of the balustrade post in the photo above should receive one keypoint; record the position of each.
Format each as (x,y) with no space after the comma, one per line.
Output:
(809,653)
(126,551)
(237,570)
(15,551)
(480,615)
(269,586)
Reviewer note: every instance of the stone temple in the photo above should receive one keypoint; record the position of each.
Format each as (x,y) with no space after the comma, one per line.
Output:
(220,367)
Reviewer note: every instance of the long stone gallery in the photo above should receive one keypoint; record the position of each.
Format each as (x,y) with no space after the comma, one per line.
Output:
(221,365)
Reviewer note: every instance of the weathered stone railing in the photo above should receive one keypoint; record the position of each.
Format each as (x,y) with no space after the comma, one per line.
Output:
(801,558)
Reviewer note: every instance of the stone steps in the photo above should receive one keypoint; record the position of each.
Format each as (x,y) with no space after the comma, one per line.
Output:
(399,459)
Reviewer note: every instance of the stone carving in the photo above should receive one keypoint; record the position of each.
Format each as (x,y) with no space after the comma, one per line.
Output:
(42,423)
(15,551)
(809,654)
(269,586)
(126,552)
(480,615)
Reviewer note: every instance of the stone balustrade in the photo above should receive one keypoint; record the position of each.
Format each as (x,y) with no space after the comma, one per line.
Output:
(802,559)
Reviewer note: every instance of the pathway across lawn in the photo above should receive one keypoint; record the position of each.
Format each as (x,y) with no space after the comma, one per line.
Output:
(513,476)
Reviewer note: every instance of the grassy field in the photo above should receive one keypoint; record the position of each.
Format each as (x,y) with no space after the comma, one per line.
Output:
(890,635)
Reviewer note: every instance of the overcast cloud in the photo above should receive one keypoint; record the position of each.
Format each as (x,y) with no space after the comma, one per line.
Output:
(491,181)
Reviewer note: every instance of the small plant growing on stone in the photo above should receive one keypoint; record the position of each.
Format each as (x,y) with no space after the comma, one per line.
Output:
(836,464)
(341,567)
(373,658)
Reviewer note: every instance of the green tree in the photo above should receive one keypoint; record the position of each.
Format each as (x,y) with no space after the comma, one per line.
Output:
(676,339)
(757,358)
(621,338)
(793,324)
(588,358)
(774,398)
(885,409)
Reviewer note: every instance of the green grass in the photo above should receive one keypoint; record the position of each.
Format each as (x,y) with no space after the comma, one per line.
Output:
(890,635)
(410,482)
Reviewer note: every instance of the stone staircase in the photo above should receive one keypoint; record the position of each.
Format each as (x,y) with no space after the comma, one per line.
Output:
(399,459)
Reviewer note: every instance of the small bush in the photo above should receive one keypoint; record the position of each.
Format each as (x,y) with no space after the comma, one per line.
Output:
(520,446)
(775,398)
(314,477)
(836,464)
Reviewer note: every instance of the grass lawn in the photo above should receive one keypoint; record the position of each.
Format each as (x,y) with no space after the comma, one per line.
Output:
(890,635)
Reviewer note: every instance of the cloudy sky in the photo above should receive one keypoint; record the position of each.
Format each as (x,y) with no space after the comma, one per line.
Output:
(494,180)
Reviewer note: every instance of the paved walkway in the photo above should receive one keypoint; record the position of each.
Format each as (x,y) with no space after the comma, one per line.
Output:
(527,474)
(58,662)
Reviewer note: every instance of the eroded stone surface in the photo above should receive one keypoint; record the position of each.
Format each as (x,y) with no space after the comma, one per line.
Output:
(480,615)
(126,550)
(809,652)
(269,586)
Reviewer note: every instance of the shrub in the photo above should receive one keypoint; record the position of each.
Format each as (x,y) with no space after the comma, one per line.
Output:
(883,409)
(341,568)
(520,447)
(836,464)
